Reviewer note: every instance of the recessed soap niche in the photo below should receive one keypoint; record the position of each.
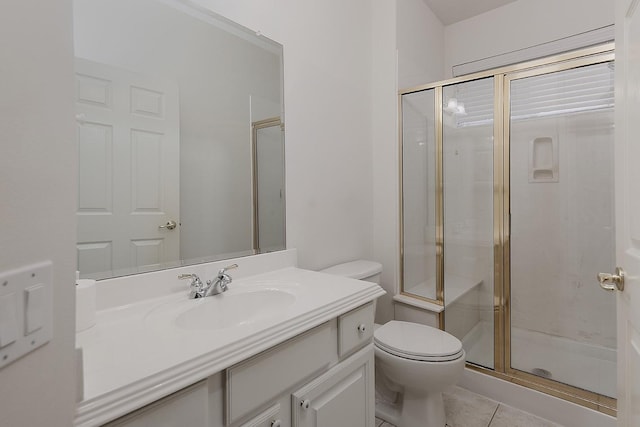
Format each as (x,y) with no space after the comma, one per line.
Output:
(543,159)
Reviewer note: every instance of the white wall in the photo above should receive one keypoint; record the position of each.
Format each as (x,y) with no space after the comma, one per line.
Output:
(327,66)
(38,170)
(420,37)
(522,24)
(384,176)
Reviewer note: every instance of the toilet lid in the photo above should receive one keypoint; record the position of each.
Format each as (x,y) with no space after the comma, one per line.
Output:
(417,342)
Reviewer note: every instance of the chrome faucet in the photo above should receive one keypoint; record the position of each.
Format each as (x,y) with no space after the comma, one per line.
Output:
(214,286)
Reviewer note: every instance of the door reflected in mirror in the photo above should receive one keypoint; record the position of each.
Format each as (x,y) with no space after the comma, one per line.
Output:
(180,137)
(268,184)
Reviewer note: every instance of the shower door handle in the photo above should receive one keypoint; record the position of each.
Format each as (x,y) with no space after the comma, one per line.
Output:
(612,282)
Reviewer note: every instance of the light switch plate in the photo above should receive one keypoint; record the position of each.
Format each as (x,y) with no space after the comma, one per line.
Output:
(35,281)
(8,320)
(33,308)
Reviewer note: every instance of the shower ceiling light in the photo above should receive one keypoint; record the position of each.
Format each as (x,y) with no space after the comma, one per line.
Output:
(454,107)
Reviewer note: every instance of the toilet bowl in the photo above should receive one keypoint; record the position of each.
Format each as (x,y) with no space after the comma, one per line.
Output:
(418,362)
(414,362)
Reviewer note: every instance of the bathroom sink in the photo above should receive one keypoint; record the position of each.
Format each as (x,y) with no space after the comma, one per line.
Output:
(226,310)
(230,310)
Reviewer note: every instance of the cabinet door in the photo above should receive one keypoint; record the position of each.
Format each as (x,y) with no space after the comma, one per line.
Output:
(342,397)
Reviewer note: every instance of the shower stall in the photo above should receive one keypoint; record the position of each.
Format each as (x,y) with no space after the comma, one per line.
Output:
(507,217)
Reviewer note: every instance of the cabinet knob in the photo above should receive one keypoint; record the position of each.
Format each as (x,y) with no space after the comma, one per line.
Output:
(362,328)
(276,423)
(305,403)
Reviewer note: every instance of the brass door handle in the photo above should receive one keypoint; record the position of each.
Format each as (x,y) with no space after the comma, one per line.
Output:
(612,282)
(170,225)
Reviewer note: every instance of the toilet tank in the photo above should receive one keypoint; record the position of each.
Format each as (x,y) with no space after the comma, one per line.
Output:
(361,269)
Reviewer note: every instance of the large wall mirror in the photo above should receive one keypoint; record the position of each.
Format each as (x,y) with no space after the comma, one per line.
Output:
(180,137)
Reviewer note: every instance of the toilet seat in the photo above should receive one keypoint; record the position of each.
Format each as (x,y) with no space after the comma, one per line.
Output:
(417,342)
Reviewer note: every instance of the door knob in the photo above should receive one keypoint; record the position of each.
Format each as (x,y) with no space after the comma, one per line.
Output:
(170,225)
(611,282)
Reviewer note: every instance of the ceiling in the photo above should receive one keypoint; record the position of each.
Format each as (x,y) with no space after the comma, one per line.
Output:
(451,11)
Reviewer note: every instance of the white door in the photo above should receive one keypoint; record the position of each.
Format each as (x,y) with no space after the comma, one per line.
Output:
(627,179)
(129,154)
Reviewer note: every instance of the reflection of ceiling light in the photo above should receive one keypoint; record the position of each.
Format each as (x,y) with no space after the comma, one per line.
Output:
(455,107)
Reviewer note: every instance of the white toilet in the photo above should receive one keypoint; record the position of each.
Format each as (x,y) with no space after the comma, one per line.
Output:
(414,362)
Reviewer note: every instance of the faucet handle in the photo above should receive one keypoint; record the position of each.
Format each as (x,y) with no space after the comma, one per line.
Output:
(194,278)
(222,278)
(195,285)
(222,271)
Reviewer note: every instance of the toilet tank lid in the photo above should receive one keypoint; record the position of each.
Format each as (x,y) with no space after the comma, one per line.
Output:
(359,269)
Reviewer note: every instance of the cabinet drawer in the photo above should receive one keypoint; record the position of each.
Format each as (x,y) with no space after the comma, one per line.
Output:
(258,381)
(269,418)
(355,329)
(187,407)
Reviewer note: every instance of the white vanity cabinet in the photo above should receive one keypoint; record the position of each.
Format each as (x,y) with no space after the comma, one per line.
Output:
(323,377)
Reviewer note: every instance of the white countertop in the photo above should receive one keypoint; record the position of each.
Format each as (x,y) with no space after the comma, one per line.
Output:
(136,354)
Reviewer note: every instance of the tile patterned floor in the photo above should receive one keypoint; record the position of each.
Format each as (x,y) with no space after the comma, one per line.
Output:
(466,409)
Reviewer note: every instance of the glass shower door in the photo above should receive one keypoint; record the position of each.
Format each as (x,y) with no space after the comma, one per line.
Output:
(419,259)
(468,187)
(562,325)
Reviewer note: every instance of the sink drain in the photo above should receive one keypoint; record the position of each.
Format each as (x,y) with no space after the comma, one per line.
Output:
(541,372)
